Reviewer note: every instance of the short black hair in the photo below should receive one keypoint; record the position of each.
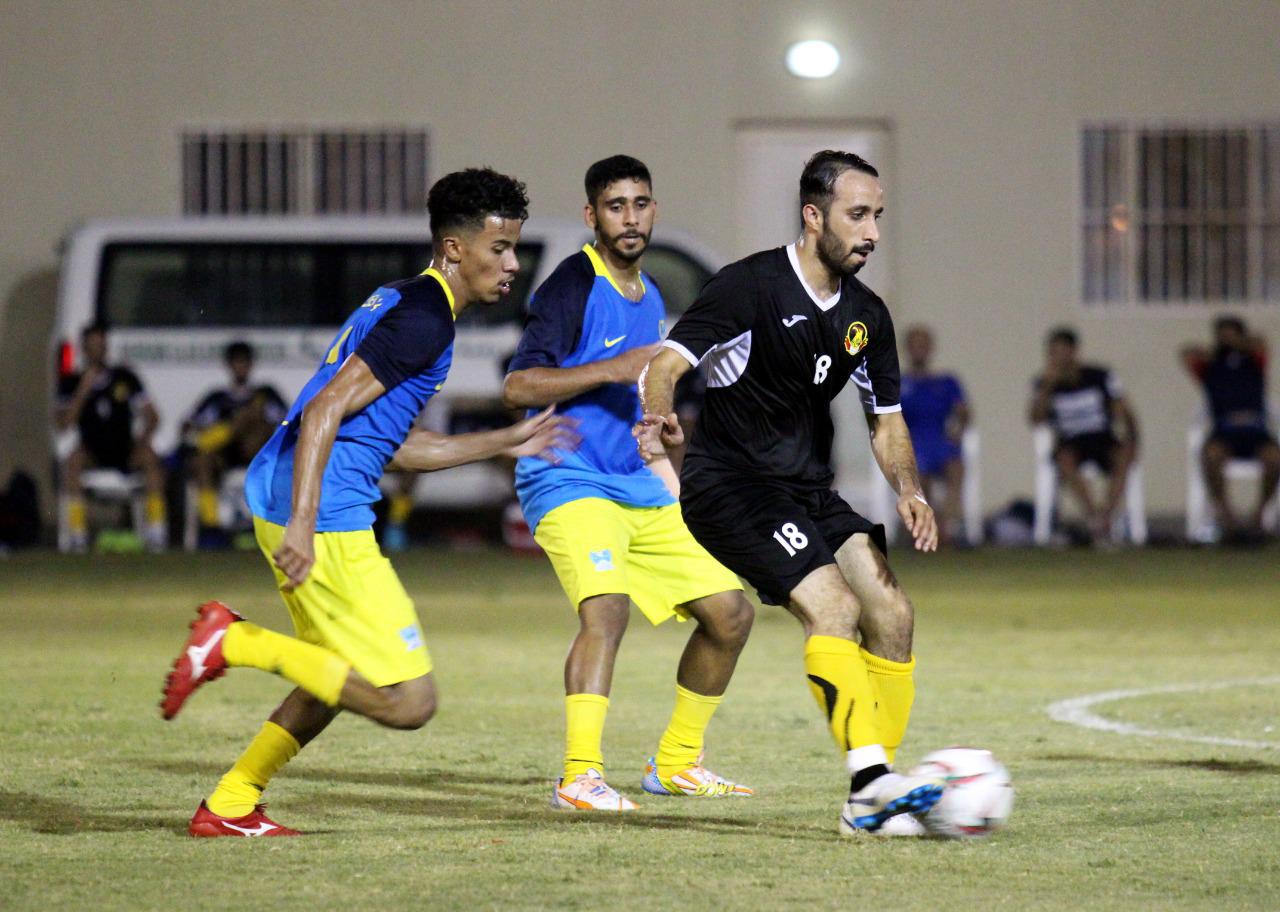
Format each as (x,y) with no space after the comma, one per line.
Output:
(464,199)
(614,168)
(1229,321)
(823,169)
(237,349)
(97,326)
(1063,334)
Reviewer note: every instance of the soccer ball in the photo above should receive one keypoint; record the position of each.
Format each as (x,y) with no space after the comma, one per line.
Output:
(978,795)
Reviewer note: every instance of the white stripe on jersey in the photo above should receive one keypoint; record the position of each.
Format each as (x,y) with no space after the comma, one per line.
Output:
(681,351)
(728,361)
(869,404)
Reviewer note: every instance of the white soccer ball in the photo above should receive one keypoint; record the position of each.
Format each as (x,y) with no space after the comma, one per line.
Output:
(978,795)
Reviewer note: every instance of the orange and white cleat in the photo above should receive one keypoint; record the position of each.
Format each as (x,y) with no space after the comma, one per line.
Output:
(588,792)
(206,823)
(201,658)
(695,782)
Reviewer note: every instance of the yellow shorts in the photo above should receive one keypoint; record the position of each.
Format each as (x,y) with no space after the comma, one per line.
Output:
(598,546)
(352,603)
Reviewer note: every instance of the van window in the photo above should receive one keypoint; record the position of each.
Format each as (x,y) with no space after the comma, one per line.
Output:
(237,283)
(679,276)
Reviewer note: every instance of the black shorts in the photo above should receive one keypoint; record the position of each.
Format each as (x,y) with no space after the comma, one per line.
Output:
(110,453)
(1243,443)
(770,534)
(1096,448)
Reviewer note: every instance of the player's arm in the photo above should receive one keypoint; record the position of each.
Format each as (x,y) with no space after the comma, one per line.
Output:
(545,435)
(352,388)
(68,414)
(537,387)
(1041,406)
(659,428)
(891,444)
(725,308)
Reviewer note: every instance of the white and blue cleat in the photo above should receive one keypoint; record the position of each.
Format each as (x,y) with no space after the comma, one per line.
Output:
(880,807)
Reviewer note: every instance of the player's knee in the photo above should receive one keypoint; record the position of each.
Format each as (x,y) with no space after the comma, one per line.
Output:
(729,620)
(413,714)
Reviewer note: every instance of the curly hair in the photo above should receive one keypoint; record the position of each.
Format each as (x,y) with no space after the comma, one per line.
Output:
(464,199)
(818,180)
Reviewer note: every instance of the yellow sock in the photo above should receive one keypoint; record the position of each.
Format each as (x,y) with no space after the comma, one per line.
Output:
(241,788)
(208,506)
(155,508)
(76,521)
(399,509)
(839,682)
(681,743)
(316,670)
(895,686)
(584,730)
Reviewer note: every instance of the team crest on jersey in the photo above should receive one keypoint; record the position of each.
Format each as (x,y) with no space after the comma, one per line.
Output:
(856,338)
(603,560)
(375,301)
(120,391)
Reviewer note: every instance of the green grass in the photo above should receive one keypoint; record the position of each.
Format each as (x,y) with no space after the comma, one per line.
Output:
(95,790)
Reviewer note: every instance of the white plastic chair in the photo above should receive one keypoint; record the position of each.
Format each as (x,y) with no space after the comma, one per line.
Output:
(111,486)
(1202,527)
(1130,523)
(884,501)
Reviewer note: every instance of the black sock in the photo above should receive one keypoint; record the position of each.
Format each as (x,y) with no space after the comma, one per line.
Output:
(864,777)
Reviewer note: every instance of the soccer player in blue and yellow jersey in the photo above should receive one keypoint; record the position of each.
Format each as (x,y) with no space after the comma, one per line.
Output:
(359,645)
(609,522)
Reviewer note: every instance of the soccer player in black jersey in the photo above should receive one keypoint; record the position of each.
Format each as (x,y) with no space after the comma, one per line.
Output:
(781,332)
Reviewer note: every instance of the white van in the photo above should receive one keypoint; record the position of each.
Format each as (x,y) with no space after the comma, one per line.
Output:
(174,292)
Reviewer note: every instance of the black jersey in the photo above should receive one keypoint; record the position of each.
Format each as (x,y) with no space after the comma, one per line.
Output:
(106,420)
(775,356)
(1082,407)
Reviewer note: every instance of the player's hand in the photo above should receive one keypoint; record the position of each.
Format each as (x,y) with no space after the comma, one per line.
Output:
(918,517)
(628,365)
(297,552)
(655,435)
(545,435)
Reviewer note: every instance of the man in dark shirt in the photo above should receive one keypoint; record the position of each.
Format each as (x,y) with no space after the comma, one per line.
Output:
(113,418)
(1234,377)
(1092,423)
(780,334)
(229,426)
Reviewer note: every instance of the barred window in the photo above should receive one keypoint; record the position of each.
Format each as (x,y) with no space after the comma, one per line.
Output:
(382,172)
(1181,215)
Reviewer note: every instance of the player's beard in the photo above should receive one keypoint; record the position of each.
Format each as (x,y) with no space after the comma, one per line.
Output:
(835,256)
(627,256)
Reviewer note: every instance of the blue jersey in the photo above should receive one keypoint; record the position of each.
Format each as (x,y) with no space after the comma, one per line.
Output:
(927,403)
(578,315)
(404,332)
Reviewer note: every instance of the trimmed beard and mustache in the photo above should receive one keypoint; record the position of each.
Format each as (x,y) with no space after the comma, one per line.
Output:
(835,256)
(627,256)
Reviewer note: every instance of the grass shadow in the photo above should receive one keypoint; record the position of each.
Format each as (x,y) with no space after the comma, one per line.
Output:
(1212,765)
(42,814)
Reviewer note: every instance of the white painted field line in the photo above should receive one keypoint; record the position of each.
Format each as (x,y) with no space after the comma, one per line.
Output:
(1075,711)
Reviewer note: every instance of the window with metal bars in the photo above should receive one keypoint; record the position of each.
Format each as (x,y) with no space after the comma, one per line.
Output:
(381,172)
(1181,215)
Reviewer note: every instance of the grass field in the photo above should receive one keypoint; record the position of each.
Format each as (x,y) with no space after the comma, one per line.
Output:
(95,791)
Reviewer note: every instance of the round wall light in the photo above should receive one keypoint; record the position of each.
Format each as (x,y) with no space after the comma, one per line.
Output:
(812,59)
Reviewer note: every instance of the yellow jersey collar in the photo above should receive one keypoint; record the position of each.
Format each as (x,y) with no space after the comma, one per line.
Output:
(448,292)
(602,270)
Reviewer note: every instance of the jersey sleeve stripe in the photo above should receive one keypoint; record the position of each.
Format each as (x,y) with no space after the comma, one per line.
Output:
(681,351)
(886,409)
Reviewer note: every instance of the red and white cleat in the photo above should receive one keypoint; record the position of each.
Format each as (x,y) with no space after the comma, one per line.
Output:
(201,657)
(206,823)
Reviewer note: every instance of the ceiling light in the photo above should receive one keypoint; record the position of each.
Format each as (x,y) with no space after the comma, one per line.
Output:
(812,59)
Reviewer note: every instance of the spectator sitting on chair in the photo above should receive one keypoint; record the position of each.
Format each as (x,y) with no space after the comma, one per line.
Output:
(102,403)
(1234,378)
(1091,421)
(228,428)
(937,413)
